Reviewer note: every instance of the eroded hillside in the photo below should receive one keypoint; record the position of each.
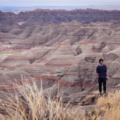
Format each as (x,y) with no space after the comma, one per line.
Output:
(57,54)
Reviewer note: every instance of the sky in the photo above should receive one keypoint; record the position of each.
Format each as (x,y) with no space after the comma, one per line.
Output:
(26,3)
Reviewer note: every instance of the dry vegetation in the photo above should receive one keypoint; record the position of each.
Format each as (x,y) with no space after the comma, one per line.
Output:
(110,105)
(29,103)
(108,108)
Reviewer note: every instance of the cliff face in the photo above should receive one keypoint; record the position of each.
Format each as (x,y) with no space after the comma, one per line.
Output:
(57,16)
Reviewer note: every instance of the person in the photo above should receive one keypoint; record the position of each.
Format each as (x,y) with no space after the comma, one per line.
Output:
(102,76)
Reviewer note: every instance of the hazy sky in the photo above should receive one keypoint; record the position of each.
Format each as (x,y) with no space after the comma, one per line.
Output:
(57,3)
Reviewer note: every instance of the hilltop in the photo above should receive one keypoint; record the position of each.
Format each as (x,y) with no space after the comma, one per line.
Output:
(41,16)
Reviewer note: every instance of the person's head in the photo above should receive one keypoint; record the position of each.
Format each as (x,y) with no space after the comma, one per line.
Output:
(101,61)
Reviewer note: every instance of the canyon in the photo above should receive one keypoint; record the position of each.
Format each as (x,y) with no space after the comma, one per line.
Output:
(60,49)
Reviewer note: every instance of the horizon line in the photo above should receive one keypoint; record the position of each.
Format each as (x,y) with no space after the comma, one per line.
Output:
(58,6)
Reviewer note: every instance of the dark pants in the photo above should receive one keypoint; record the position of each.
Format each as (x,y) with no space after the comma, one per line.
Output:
(102,81)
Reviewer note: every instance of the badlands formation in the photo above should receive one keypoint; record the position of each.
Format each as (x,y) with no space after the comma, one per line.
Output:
(63,55)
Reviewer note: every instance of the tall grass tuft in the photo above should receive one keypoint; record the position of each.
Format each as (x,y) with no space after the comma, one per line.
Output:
(29,103)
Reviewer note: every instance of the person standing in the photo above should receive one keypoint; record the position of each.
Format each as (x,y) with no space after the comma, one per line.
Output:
(102,76)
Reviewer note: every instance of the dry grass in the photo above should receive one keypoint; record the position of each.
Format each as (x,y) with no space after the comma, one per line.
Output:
(110,105)
(108,108)
(29,103)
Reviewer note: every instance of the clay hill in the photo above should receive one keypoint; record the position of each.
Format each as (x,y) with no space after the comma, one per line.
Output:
(61,55)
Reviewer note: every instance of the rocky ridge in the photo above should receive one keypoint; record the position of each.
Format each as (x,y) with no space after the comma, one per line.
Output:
(40,16)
